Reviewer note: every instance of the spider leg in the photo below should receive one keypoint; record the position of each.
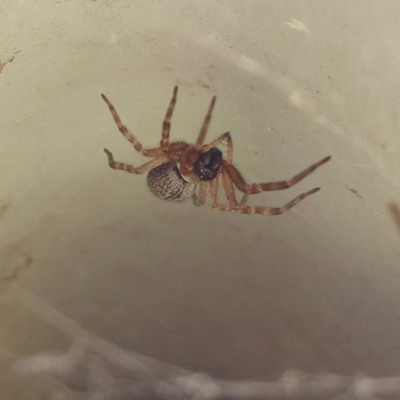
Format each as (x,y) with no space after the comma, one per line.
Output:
(233,205)
(226,136)
(254,188)
(167,120)
(214,191)
(204,127)
(244,199)
(135,170)
(200,198)
(128,134)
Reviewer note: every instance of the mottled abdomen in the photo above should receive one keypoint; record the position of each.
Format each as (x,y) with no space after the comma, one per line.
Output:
(167,183)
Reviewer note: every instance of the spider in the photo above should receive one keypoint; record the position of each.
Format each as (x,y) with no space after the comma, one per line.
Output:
(177,169)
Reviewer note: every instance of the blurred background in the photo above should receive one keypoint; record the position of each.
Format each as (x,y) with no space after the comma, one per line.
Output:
(86,251)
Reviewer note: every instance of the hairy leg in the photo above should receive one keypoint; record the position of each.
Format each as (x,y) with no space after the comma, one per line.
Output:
(128,134)
(135,170)
(254,188)
(204,127)
(200,198)
(233,205)
(167,120)
(226,136)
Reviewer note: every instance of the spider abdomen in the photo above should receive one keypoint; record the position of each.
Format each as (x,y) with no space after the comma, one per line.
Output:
(166,182)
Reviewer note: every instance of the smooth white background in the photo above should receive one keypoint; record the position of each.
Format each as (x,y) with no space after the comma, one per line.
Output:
(237,296)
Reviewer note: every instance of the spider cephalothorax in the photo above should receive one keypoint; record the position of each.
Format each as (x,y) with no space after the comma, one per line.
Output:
(208,164)
(179,171)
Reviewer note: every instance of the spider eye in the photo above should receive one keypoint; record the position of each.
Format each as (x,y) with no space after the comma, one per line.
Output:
(207,166)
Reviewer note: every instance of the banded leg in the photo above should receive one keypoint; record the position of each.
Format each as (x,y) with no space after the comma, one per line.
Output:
(167,120)
(204,127)
(254,188)
(226,136)
(200,197)
(135,170)
(128,134)
(233,205)
(214,184)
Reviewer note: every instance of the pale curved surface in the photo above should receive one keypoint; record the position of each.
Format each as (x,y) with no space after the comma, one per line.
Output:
(316,289)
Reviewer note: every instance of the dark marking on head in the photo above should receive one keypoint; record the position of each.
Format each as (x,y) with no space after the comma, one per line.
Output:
(208,164)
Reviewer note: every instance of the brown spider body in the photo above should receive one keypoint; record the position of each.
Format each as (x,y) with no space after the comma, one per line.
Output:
(177,169)
(167,183)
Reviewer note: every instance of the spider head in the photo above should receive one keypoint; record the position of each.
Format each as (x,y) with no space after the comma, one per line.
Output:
(207,165)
